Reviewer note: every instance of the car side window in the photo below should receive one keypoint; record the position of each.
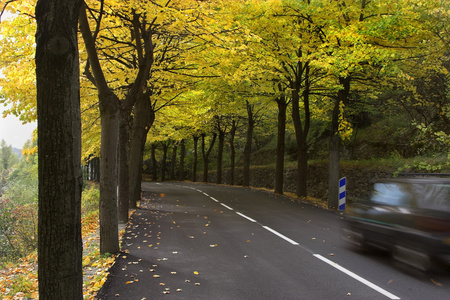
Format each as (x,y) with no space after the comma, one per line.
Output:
(433,196)
(390,194)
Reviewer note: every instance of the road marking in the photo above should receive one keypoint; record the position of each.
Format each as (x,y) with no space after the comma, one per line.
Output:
(248,218)
(280,235)
(357,277)
(224,205)
(212,198)
(331,263)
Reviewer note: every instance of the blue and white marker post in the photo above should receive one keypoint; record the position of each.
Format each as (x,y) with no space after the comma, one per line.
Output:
(342,192)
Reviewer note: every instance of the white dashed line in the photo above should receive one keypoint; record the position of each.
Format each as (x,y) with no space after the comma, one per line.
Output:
(281,236)
(329,262)
(357,277)
(248,218)
(226,206)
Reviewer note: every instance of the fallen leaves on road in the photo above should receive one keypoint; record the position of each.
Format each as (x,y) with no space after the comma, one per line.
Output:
(436,283)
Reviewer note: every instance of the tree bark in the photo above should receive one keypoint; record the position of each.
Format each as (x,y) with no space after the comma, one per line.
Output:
(335,145)
(279,167)
(59,142)
(248,145)
(109,230)
(124,150)
(144,116)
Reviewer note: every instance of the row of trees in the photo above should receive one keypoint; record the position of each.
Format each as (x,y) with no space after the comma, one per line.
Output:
(197,69)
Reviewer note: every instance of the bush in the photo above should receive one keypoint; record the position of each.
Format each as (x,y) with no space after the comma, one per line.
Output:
(90,198)
(18,229)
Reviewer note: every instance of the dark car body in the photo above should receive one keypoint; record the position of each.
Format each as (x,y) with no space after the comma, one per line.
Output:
(409,217)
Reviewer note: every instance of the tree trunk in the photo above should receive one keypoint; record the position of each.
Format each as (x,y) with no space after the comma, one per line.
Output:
(164,161)
(110,121)
(335,145)
(59,141)
(232,151)
(109,114)
(144,116)
(248,145)
(206,154)
(154,163)
(182,155)
(195,162)
(301,133)
(220,155)
(124,149)
(279,167)
(173,162)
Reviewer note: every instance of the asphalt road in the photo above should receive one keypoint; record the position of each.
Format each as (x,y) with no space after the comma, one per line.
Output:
(197,241)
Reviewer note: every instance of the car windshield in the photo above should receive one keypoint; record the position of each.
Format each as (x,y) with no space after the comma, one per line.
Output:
(390,194)
(433,196)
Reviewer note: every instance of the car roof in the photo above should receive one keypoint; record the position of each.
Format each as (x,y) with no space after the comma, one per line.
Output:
(424,180)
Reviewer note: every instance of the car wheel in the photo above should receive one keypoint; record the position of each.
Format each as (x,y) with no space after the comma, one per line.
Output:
(356,239)
(412,257)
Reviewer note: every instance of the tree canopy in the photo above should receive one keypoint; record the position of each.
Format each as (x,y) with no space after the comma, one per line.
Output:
(212,60)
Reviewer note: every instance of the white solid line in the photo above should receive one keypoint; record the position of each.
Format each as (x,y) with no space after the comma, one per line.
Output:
(214,199)
(357,277)
(248,218)
(226,206)
(280,235)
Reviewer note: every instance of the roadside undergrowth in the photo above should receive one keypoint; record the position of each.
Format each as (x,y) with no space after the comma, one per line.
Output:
(18,279)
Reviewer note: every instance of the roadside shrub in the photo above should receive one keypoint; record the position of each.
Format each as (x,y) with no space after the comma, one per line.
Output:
(19,211)
(7,220)
(90,198)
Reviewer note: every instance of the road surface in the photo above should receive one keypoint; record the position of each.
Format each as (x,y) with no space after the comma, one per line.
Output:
(198,241)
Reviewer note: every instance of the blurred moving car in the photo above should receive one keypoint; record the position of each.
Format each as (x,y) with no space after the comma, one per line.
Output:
(409,217)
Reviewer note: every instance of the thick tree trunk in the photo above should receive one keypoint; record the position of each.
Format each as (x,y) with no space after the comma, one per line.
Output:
(110,121)
(232,151)
(335,145)
(182,155)
(279,167)
(220,155)
(59,142)
(248,145)
(144,116)
(195,162)
(124,149)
